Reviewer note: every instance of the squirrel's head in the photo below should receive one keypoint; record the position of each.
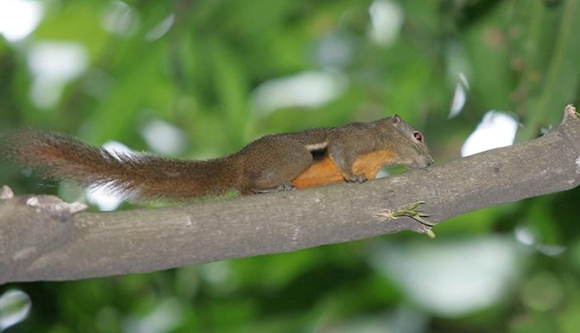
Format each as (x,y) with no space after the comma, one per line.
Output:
(408,143)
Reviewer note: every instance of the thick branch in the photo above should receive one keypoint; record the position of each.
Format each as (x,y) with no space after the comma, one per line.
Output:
(42,240)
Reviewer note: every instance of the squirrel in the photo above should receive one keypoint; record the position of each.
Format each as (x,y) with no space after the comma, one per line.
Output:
(314,157)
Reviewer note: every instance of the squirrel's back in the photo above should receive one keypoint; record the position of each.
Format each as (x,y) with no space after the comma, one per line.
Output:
(133,175)
(279,162)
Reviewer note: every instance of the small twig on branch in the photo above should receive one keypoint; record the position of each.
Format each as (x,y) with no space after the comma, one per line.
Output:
(42,238)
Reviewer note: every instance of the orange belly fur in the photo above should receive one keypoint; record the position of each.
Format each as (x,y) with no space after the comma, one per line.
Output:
(326,172)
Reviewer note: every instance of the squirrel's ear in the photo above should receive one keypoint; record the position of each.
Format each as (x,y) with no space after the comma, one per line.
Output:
(396,119)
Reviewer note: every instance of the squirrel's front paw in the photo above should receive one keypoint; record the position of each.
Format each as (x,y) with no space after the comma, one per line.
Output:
(356,179)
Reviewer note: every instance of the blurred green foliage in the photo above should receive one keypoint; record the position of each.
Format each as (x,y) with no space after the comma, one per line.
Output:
(202,71)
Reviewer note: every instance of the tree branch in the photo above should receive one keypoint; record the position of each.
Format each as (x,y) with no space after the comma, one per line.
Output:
(43,238)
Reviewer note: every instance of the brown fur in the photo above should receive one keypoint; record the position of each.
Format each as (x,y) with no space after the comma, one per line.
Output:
(354,153)
(135,175)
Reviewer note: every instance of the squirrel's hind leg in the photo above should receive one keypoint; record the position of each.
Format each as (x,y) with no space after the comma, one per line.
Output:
(283,164)
(280,188)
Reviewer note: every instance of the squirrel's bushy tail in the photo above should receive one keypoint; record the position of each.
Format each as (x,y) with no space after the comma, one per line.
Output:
(135,176)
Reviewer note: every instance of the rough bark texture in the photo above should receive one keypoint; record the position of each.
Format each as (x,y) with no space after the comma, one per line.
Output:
(42,238)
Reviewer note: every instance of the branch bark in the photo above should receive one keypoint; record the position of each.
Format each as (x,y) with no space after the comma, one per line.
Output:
(43,238)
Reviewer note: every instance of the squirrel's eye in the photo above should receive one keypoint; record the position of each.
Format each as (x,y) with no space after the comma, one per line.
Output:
(418,136)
